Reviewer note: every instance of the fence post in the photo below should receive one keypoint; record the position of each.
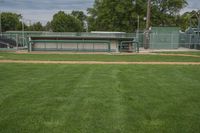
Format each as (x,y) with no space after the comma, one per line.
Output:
(172,44)
(29,45)
(190,41)
(17,41)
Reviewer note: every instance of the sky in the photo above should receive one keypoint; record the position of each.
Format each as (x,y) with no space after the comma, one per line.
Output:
(43,10)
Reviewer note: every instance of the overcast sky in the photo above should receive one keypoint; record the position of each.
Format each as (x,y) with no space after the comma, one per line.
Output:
(43,10)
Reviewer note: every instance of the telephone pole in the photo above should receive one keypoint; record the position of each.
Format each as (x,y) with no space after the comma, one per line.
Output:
(146,40)
(148,15)
(0,25)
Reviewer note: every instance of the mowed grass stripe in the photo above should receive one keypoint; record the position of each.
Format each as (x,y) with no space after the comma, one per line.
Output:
(98,62)
(48,92)
(99,98)
(98,57)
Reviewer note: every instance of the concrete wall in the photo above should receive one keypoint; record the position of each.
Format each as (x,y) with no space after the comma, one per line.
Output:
(114,46)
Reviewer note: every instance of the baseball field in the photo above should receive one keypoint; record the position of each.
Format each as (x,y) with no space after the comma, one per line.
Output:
(99,98)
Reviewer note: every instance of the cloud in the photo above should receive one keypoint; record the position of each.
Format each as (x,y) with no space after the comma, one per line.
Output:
(192,5)
(43,10)
(46,4)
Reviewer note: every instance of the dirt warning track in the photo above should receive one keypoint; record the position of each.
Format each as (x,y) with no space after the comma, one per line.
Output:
(97,62)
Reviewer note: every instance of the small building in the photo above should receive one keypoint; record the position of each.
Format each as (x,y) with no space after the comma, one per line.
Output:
(164,38)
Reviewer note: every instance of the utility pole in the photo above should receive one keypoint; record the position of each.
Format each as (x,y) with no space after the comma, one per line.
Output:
(146,40)
(0,25)
(148,14)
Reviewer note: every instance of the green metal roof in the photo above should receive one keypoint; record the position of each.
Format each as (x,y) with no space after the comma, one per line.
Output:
(73,34)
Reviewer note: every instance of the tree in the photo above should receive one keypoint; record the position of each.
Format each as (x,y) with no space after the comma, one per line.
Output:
(19,26)
(48,26)
(10,21)
(80,16)
(116,15)
(36,27)
(164,12)
(189,19)
(65,23)
(121,15)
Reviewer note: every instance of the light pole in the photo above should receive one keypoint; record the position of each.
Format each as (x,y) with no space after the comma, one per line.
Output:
(134,2)
(22,31)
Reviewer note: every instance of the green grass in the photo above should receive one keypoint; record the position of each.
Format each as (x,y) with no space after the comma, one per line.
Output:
(97,57)
(99,98)
(182,52)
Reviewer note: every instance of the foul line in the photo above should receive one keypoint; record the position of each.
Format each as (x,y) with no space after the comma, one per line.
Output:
(97,62)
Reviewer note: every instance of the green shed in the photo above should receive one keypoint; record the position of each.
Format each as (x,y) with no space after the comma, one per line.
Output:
(164,38)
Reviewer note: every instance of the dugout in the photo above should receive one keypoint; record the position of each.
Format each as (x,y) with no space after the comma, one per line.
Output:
(81,42)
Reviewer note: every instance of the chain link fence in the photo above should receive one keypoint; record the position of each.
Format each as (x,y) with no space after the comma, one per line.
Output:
(156,40)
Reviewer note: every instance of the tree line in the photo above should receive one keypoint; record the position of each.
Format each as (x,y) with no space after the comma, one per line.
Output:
(112,15)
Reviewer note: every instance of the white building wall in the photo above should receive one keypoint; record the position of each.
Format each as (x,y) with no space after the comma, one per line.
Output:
(114,46)
(78,46)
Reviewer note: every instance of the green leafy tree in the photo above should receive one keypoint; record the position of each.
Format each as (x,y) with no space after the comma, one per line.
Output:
(115,15)
(19,26)
(164,12)
(189,19)
(121,15)
(10,21)
(63,22)
(48,26)
(36,27)
(80,16)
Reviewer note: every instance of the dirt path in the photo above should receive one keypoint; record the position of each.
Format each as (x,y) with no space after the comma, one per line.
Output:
(97,62)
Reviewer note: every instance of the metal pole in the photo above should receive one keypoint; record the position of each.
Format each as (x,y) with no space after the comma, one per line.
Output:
(17,41)
(198,43)
(138,27)
(22,32)
(138,23)
(134,2)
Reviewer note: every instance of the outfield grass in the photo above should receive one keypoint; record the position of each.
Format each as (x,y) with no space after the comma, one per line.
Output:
(99,98)
(97,57)
(182,52)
